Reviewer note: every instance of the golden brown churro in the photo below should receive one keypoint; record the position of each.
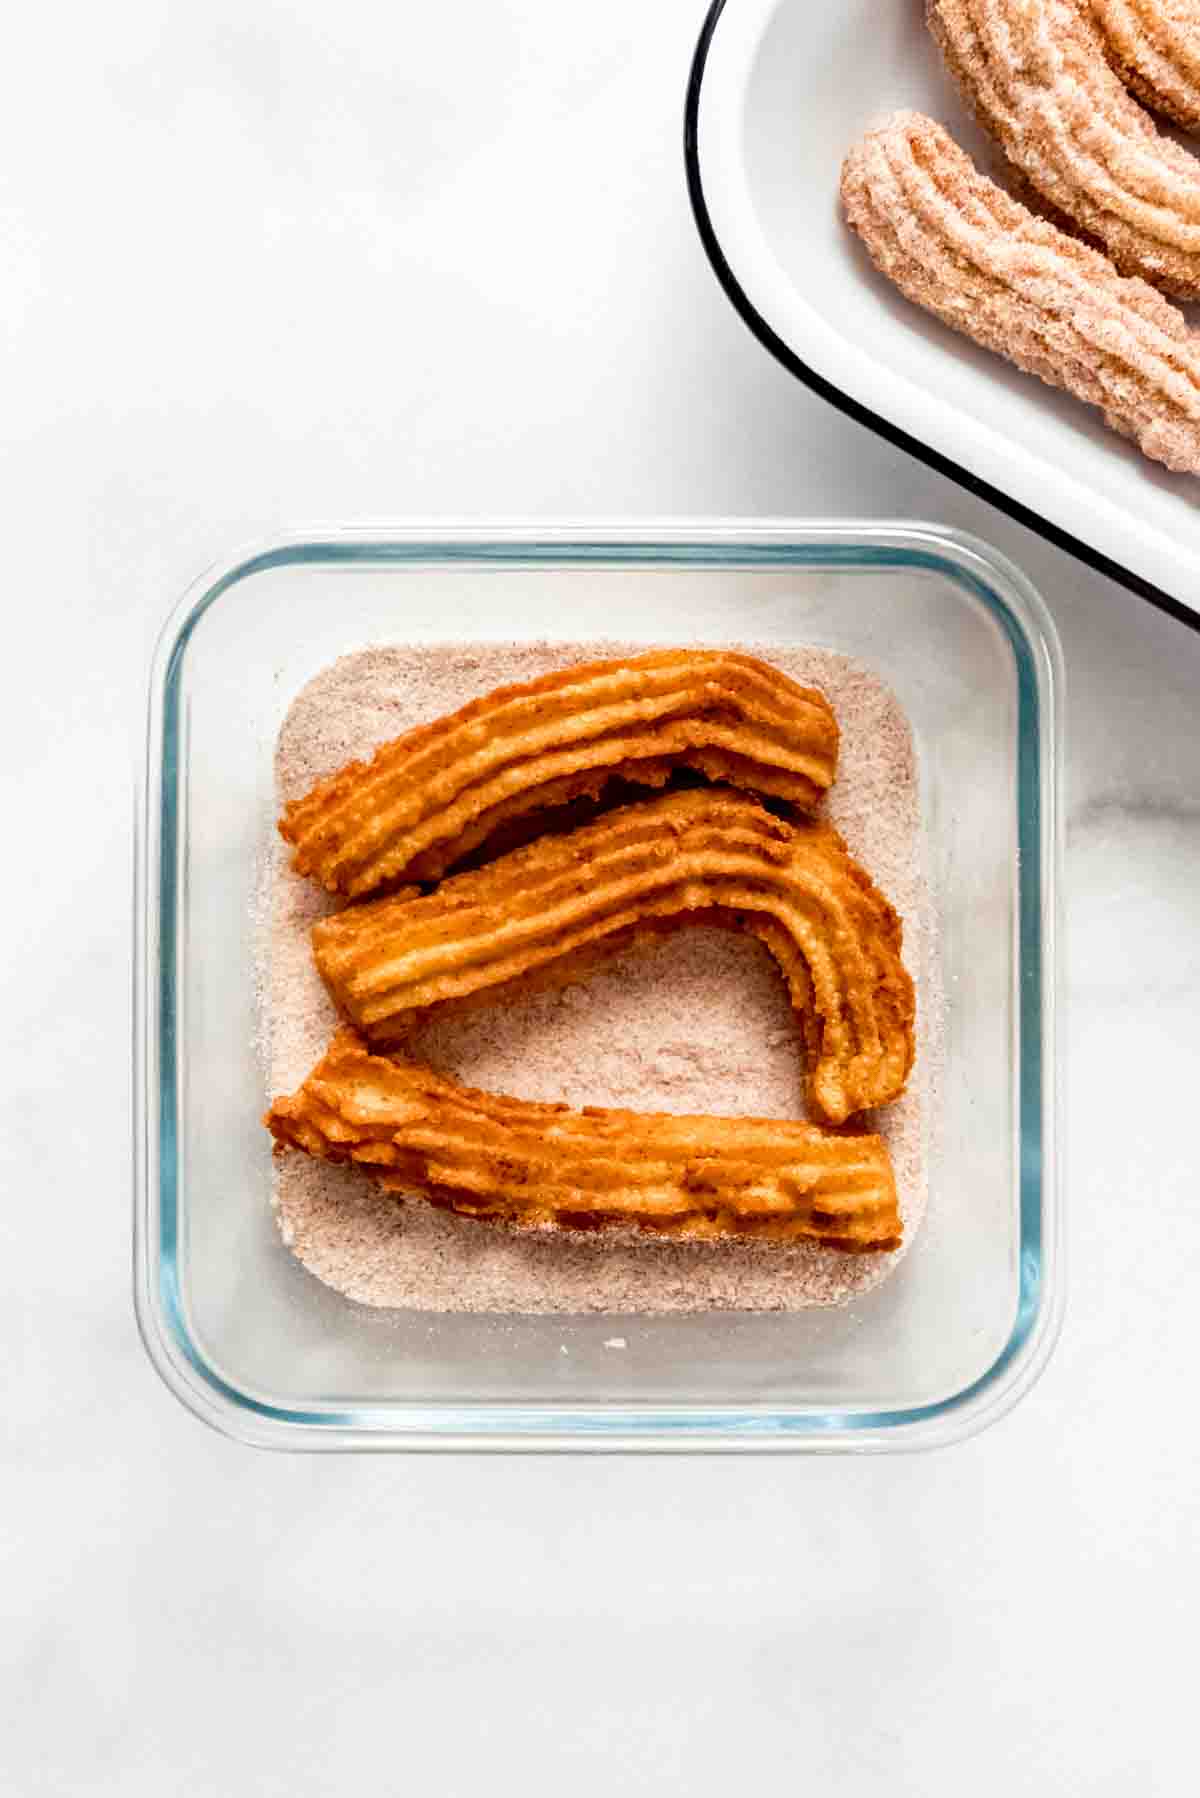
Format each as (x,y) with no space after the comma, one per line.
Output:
(706,856)
(509,1160)
(1036,76)
(432,795)
(963,249)
(1154,46)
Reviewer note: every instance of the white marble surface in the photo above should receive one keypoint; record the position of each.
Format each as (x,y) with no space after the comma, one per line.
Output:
(289,261)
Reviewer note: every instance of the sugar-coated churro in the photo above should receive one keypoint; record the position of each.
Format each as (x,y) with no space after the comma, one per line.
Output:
(1036,75)
(1154,46)
(960,247)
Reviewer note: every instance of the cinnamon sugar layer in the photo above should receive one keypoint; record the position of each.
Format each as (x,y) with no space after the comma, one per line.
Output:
(701,1023)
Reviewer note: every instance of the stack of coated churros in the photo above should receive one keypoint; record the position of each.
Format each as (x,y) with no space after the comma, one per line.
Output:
(1053,81)
(740,847)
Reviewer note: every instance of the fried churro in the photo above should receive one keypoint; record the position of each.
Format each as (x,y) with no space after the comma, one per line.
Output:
(547,911)
(512,1161)
(960,247)
(1154,46)
(429,797)
(1036,75)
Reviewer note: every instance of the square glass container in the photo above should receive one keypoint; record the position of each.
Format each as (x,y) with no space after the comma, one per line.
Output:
(253,1344)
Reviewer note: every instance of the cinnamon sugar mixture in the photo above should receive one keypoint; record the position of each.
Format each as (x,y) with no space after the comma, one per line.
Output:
(702,1023)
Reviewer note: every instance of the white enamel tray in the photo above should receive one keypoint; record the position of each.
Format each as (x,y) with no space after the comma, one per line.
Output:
(779,90)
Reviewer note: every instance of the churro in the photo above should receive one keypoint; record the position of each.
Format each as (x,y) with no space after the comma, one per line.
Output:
(512,1161)
(1036,75)
(429,797)
(960,247)
(545,912)
(1154,46)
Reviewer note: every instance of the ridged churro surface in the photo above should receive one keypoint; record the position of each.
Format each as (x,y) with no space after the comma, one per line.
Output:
(1154,46)
(1036,75)
(517,1162)
(697,857)
(427,798)
(963,249)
